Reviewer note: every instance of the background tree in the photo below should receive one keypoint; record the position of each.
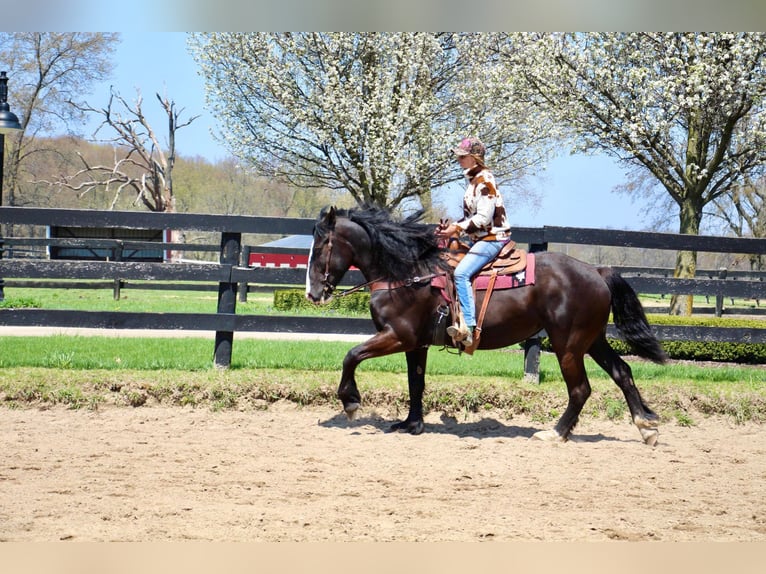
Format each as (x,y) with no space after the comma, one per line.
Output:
(744,211)
(688,109)
(141,163)
(47,71)
(374,114)
(230,188)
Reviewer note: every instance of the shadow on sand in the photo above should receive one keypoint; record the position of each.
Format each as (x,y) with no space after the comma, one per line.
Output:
(483,428)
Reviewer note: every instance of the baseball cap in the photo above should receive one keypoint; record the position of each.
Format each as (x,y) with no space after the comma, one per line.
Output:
(470,146)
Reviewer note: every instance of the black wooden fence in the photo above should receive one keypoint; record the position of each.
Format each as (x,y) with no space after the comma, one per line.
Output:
(229,273)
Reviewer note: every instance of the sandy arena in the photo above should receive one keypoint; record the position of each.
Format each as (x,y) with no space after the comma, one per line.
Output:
(307,474)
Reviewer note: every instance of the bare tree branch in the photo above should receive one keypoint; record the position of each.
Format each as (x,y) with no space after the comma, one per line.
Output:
(141,163)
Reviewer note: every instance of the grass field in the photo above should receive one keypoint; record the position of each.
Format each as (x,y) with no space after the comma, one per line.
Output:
(151,300)
(86,372)
(132,300)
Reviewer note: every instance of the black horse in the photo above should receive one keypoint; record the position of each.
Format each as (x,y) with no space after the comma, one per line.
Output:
(569,299)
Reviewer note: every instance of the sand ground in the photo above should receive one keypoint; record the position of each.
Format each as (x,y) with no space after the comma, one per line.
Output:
(289,473)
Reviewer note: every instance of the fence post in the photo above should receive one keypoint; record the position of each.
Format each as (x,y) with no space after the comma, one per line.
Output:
(231,245)
(2,249)
(244,262)
(117,256)
(533,344)
(719,296)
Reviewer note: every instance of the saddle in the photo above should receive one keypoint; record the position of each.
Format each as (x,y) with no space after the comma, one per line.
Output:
(508,262)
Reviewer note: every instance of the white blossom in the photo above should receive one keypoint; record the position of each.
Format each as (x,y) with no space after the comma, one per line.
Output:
(689,107)
(373,113)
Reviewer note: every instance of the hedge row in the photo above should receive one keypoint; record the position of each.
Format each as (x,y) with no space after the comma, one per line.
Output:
(293,300)
(742,353)
(749,353)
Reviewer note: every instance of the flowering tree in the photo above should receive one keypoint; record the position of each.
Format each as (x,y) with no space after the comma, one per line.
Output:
(372,113)
(686,108)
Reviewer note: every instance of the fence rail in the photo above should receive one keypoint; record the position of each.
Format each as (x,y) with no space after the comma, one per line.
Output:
(229,273)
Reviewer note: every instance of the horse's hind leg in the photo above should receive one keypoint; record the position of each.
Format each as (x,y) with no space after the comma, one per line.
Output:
(643,417)
(416,381)
(573,369)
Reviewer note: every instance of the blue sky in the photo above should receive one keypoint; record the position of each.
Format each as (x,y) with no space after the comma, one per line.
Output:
(575,190)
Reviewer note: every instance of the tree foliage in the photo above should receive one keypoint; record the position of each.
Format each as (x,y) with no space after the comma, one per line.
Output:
(687,108)
(374,114)
(47,70)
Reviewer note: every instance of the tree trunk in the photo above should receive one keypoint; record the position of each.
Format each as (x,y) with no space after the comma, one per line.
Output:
(686,261)
(176,235)
(11,173)
(426,202)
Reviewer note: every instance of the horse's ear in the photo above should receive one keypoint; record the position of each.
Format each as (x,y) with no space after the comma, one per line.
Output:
(329,217)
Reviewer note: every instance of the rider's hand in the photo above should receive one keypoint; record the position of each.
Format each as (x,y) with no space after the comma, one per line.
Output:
(448,230)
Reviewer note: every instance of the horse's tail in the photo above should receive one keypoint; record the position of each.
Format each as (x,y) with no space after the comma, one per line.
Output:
(630,319)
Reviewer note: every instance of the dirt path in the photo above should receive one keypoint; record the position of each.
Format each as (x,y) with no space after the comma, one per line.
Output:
(306,474)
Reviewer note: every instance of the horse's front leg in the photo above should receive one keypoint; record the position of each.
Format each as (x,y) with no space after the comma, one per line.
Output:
(416,382)
(383,343)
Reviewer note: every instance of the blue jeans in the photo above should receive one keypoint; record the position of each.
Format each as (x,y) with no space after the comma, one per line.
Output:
(477,257)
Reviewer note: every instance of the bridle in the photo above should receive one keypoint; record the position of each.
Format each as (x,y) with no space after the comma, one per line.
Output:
(327,286)
(375,284)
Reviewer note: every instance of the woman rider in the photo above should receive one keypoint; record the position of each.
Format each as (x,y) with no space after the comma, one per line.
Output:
(485,223)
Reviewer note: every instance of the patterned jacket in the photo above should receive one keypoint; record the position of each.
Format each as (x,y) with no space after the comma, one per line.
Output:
(484,214)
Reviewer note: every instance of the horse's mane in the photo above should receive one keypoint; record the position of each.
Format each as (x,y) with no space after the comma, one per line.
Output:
(404,247)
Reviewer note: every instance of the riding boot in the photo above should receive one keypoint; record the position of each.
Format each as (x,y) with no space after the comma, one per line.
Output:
(468,341)
(458,330)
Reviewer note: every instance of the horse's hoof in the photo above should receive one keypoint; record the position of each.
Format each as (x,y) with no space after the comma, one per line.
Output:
(351,410)
(648,429)
(415,428)
(650,436)
(548,436)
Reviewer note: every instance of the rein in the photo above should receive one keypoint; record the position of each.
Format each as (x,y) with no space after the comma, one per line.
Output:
(380,284)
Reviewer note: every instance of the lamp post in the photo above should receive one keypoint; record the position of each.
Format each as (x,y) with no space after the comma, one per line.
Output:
(8,123)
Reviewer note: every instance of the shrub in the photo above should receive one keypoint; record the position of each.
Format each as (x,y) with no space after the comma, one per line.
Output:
(746,353)
(294,300)
(19,303)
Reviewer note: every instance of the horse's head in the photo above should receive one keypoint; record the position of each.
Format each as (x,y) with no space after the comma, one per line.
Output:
(330,257)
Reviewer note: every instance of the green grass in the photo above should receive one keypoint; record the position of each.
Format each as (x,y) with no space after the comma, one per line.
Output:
(85,372)
(194,354)
(700,301)
(144,300)
(151,300)
(131,300)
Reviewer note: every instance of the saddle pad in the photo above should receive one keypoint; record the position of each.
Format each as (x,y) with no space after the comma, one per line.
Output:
(519,279)
(525,277)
